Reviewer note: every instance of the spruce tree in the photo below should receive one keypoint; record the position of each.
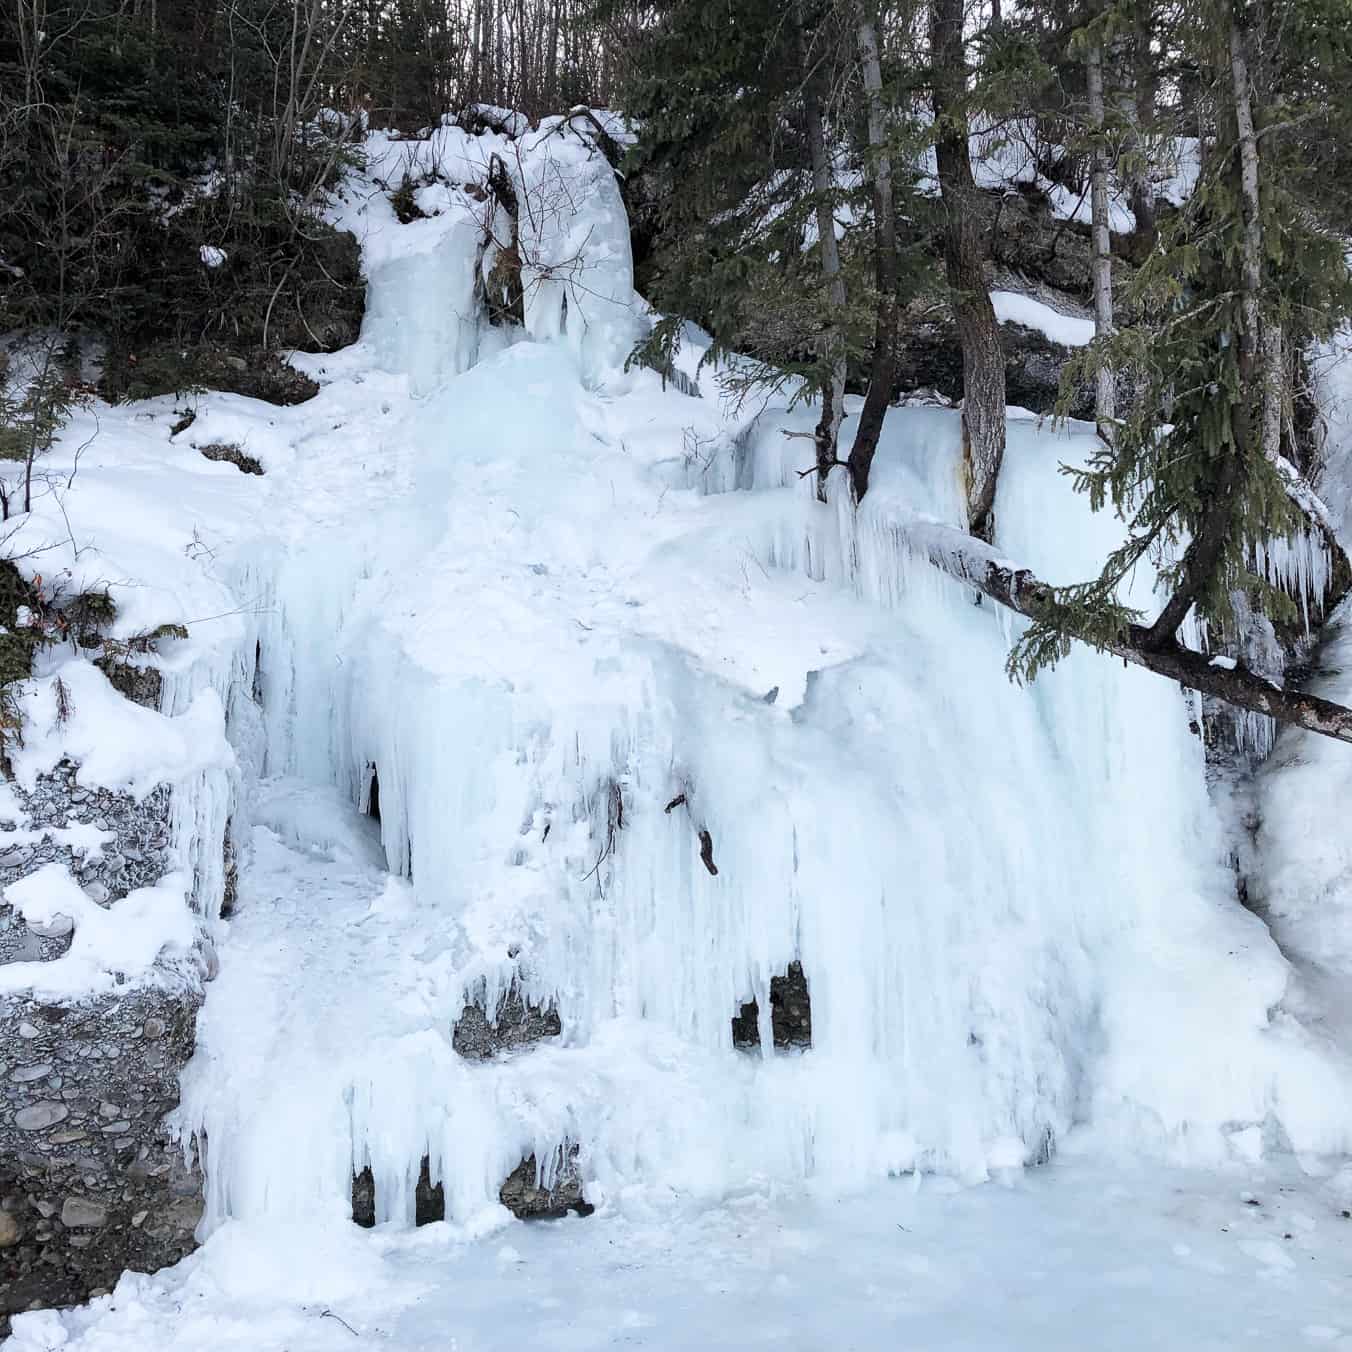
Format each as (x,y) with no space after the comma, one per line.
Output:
(1246,275)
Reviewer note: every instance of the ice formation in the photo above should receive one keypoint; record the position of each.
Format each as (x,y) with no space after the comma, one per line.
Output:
(557,595)
(540,599)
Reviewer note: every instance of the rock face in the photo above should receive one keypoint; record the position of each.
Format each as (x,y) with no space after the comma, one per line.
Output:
(134,854)
(790,1013)
(516,1023)
(364,1198)
(429,1200)
(89,1183)
(525,1195)
(522,1192)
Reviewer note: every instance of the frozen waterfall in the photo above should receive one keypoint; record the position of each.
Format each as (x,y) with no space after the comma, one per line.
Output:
(542,599)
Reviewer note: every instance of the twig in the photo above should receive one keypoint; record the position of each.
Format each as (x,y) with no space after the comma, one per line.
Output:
(329,1314)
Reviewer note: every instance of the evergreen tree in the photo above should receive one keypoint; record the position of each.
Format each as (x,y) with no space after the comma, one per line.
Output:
(756,133)
(1246,275)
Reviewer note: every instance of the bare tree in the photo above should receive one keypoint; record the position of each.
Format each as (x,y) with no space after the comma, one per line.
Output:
(965,250)
(833,342)
(1105,409)
(882,371)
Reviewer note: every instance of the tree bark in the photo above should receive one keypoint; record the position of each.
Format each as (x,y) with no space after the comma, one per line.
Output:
(978,565)
(1105,401)
(883,369)
(983,362)
(833,355)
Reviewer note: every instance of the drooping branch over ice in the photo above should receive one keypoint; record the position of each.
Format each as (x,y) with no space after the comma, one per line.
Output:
(972,561)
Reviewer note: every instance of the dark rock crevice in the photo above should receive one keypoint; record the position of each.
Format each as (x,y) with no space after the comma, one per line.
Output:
(790,1013)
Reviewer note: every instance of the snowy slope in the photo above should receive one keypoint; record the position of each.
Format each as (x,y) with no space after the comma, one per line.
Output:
(523,585)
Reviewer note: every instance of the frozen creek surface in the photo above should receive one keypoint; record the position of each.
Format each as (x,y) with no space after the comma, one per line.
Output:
(527,587)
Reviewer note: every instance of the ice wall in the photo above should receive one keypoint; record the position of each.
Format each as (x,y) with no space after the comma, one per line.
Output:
(1010,904)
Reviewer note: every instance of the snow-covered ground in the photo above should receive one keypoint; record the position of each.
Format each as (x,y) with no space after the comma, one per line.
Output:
(1057,1260)
(524,584)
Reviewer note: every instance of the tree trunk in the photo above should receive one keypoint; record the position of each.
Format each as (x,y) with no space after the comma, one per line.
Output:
(883,369)
(983,362)
(1251,261)
(976,564)
(1105,401)
(833,354)
(1205,549)
(1143,118)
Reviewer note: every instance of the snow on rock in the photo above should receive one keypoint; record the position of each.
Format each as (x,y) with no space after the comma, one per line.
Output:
(108,946)
(116,744)
(1068,330)
(577,269)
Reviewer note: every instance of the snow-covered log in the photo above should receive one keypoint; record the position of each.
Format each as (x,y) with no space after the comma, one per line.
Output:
(972,561)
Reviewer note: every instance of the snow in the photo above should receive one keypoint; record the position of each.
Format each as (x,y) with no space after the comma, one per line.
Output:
(1331,377)
(116,744)
(108,948)
(525,585)
(1302,866)
(1122,1259)
(1068,330)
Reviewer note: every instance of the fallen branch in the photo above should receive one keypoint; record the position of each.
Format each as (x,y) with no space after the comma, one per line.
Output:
(706,853)
(706,841)
(977,564)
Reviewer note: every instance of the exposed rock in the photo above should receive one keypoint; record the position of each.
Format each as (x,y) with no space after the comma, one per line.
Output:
(142,683)
(82,1164)
(516,1023)
(525,1196)
(11,1232)
(83,1089)
(81,1213)
(232,455)
(40,1116)
(364,1198)
(136,856)
(790,1013)
(1027,239)
(429,1201)
(24,1074)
